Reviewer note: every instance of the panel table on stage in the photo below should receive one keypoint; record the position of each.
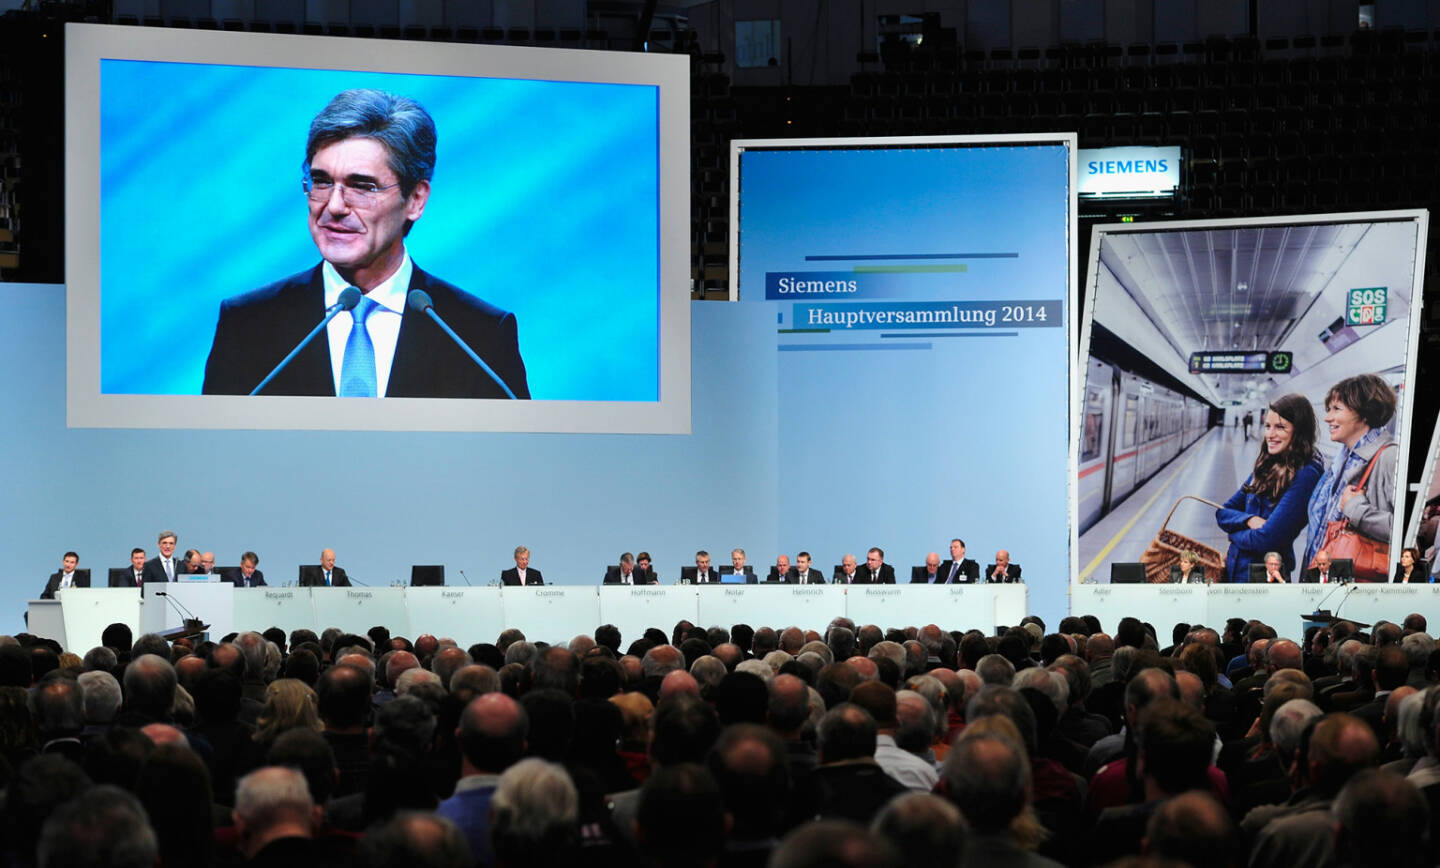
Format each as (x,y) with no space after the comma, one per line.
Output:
(809,607)
(467,615)
(289,609)
(357,609)
(952,607)
(88,611)
(1280,606)
(632,608)
(212,602)
(1368,603)
(1163,605)
(1012,603)
(551,613)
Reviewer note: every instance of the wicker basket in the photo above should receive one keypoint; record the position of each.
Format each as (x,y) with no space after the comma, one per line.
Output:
(1165,550)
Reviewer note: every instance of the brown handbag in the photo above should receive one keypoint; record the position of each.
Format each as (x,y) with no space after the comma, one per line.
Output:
(1370,558)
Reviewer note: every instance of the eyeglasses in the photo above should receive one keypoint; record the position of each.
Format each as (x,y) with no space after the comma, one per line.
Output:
(359,194)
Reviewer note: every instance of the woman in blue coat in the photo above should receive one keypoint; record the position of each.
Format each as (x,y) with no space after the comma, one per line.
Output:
(1269,510)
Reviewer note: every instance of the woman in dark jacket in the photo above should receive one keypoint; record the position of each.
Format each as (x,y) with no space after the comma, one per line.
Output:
(1268,512)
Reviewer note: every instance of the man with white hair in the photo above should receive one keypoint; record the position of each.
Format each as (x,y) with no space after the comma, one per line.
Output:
(275,818)
(534,816)
(102,699)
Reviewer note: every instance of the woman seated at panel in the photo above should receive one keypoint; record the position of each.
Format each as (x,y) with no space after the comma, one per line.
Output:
(1268,512)
(1188,570)
(1411,568)
(1359,485)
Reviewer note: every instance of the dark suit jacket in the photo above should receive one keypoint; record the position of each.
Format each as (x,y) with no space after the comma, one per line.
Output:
(612,576)
(969,570)
(924,577)
(863,575)
(1419,574)
(82,580)
(1012,572)
(1338,573)
(712,576)
(124,577)
(256,330)
(815,576)
(839,577)
(154,572)
(512,576)
(257,579)
(312,576)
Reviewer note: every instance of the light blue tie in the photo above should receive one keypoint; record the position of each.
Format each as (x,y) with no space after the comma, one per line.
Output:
(357,370)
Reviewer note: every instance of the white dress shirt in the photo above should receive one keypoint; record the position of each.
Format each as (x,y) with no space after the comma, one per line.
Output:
(383,324)
(904,766)
(66,580)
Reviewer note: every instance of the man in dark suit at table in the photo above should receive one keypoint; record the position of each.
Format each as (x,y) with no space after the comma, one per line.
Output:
(802,574)
(246,576)
(65,577)
(327,575)
(165,566)
(930,574)
(875,571)
(705,573)
(625,573)
(1002,570)
(134,576)
(959,569)
(369,162)
(1326,570)
(521,574)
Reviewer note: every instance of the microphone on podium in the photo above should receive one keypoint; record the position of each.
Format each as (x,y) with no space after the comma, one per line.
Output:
(349,297)
(420,302)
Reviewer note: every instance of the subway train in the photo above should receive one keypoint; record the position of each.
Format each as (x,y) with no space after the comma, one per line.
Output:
(1131,427)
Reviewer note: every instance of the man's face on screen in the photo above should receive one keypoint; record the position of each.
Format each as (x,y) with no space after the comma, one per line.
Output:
(359,237)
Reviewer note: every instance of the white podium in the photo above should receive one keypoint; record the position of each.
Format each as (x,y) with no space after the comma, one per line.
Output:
(88,611)
(259,609)
(632,608)
(467,615)
(356,609)
(47,620)
(212,602)
(551,613)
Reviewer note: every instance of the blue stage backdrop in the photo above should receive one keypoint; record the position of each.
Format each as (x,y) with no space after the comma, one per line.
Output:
(545,203)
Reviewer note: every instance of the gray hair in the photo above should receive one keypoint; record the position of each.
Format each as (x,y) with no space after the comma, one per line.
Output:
(1417,648)
(776,659)
(936,694)
(708,670)
(995,669)
(410,677)
(1412,735)
(521,652)
(894,650)
(252,647)
(535,806)
(272,793)
(100,657)
(1052,684)
(102,696)
(477,677)
(398,123)
(166,534)
(1288,725)
(759,668)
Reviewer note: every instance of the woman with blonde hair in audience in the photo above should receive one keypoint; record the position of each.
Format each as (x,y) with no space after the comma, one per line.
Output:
(289,704)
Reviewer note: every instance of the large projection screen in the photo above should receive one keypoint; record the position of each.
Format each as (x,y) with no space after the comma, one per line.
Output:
(552,237)
(1239,375)
(921,290)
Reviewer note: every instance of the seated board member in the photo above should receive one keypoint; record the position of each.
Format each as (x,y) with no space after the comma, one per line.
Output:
(1187,570)
(369,160)
(704,573)
(521,574)
(1327,570)
(802,573)
(66,577)
(625,573)
(132,576)
(326,575)
(1271,571)
(875,571)
(929,574)
(780,570)
(738,567)
(959,568)
(645,571)
(245,575)
(1002,570)
(1411,568)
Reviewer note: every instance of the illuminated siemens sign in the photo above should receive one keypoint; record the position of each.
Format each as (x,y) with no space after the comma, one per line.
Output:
(1129,173)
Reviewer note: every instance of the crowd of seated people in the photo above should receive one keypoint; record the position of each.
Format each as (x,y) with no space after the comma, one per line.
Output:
(1212,746)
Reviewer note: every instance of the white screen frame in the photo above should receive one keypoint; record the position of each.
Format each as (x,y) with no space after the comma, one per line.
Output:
(86,407)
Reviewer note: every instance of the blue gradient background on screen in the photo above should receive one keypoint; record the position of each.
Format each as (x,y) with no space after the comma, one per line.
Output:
(545,202)
(968,438)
